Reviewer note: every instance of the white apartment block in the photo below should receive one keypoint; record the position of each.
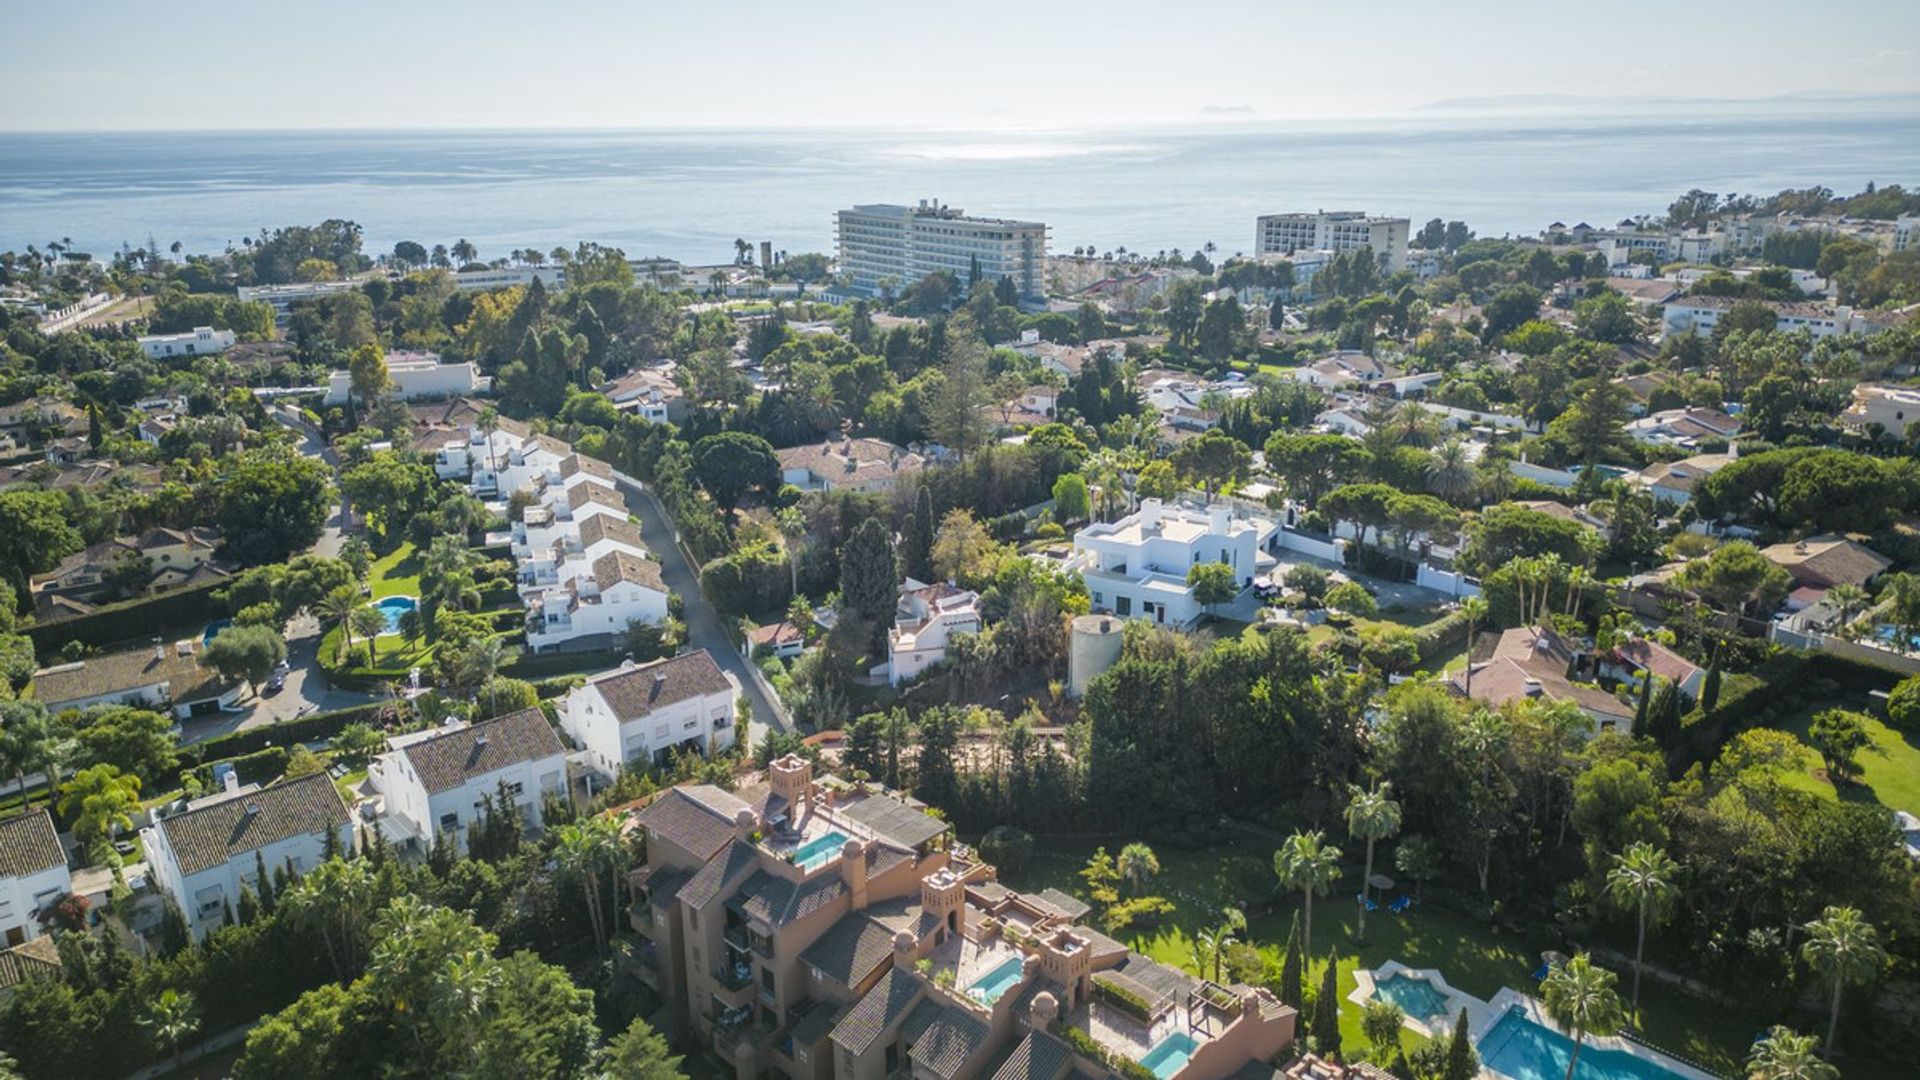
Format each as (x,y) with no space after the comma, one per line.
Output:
(1906,233)
(617,590)
(928,618)
(33,874)
(1894,408)
(282,297)
(506,277)
(204,855)
(883,248)
(433,782)
(638,714)
(199,341)
(1339,230)
(1137,567)
(572,554)
(1700,314)
(417,376)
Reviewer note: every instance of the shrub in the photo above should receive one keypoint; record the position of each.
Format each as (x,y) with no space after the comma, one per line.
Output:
(1122,997)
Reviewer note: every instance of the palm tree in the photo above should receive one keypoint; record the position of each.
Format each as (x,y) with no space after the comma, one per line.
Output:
(487,424)
(1784,1054)
(1371,816)
(100,801)
(369,622)
(336,609)
(1306,862)
(793,529)
(464,252)
(1450,471)
(1850,599)
(1137,863)
(172,1017)
(1417,857)
(1642,880)
(1211,944)
(29,743)
(1846,949)
(481,662)
(1581,998)
(578,852)
(334,899)
(1475,610)
(459,998)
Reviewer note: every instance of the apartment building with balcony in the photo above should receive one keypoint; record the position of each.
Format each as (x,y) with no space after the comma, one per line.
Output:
(596,607)
(1137,567)
(883,248)
(433,783)
(816,929)
(1889,410)
(641,714)
(1337,230)
(570,554)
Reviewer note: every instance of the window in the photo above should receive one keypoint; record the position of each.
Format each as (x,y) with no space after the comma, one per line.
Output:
(516,789)
(208,901)
(450,821)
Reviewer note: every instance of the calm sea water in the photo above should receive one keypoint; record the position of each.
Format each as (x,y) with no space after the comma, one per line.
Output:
(689,194)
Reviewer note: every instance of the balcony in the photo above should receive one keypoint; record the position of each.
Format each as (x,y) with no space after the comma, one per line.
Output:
(640,917)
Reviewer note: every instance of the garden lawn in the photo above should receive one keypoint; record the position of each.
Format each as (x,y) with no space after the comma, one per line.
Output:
(396,573)
(1473,956)
(1889,767)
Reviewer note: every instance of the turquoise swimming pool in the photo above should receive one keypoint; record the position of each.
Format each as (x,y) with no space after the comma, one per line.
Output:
(1170,1054)
(1005,976)
(819,852)
(392,607)
(1522,1049)
(1416,997)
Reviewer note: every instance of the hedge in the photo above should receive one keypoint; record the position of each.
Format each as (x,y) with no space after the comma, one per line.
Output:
(315,727)
(1123,998)
(110,624)
(531,666)
(1441,634)
(259,767)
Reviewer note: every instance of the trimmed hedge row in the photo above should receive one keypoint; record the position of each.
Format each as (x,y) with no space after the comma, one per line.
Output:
(1120,997)
(312,728)
(530,666)
(259,767)
(1442,634)
(108,625)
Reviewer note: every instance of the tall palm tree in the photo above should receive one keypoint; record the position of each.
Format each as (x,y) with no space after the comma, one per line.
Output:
(172,1017)
(1450,471)
(1846,949)
(1850,599)
(1211,944)
(481,662)
(1642,880)
(1475,610)
(1306,862)
(336,609)
(487,424)
(1581,998)
(29,743)
(1785,1054)
(578,853)
(369,622)
(793,529)
(1371,816)
(334,899)
(459,998)
(1137,863)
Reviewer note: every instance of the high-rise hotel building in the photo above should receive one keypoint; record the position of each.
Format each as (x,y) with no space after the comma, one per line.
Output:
(885,248)
(1339,230)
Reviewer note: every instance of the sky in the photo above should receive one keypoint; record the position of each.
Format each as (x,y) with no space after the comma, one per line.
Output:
(212,64)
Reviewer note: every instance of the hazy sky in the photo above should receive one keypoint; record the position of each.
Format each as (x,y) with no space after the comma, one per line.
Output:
(88,64)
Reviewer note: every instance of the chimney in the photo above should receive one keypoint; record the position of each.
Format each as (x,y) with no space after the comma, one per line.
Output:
(853,867)
(1218,519)
(903,951)
(159,650)
(230,780)
(744,825)
(1044,1011)
(1149,513)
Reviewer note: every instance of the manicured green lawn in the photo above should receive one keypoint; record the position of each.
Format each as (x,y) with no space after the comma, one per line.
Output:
(1889,768)
(397,573)
(1473,956)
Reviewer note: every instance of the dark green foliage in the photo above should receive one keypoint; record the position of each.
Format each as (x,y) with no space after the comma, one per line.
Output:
(1326,1008)
(1291,991)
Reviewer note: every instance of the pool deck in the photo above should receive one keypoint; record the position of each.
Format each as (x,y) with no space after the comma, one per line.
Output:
(1536,1010)
(1480,1014)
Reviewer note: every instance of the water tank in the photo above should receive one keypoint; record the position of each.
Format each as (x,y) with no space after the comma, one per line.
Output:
(1093,648)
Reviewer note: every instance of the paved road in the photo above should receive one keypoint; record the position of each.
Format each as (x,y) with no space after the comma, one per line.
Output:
(307,691)
(704,629)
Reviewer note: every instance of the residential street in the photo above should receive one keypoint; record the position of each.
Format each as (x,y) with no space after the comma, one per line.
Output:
(704,629)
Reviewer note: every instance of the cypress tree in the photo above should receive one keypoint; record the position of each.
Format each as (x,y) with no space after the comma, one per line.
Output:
(1326,1009)
(1640,713)
(1462,1062)
(1664,717)
(329,845)
(263,882)
(226,912)
(174,934)
(249,907)
(1710,690)
(1290,988)
(919,539)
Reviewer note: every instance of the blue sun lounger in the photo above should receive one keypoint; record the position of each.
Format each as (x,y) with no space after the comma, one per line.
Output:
(1401,905)
(1367,902)
(1541,973)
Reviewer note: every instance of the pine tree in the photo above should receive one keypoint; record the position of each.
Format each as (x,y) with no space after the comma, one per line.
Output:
(1290,989)
(1462,1062)
(918,543)
(1326,1009)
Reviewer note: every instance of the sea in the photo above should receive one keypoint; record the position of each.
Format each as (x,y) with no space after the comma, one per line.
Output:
(690,194)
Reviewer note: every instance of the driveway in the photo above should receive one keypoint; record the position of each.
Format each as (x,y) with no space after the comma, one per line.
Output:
(704,629)
(307,691)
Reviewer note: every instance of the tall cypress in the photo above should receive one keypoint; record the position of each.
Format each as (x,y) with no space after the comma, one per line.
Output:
(1462,1062)
(919,539)
(1290,988)
(263,882)
(1326,1009)
(1710,690)
(1640,713)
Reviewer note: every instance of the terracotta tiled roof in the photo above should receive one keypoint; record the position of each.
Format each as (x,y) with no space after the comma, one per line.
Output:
(846,954)
(1830,560)
(1533,663)
(580,495)
(639,690)
(777,901)
(707,882)
(1038,1056)
(131,669)
(214,834)
(609,527)
(29,845)
(1649,655)
(877,1012)
(452,759)
(697,818)
(944,1038)
(617,566)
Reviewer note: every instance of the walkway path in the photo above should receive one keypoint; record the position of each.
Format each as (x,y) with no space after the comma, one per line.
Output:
(704,628)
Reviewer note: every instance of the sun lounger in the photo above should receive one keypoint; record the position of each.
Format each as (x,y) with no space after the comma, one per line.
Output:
(1401,905)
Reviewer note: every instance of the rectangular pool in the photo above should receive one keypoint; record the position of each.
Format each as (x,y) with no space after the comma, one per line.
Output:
(1170,1054)
(819,852)
(1416,997)
(1518,1047)
(1005,976)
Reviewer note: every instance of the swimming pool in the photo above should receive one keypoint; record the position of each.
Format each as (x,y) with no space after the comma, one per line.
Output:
(1170,1054)
(392,607)
(818,852)
(1523,1049)
(1005,975)
(1416,997)
(214,628)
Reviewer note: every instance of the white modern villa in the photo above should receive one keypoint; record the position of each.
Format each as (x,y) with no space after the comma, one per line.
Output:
(433,782)
(928,618)
(641,713)
(1137,567)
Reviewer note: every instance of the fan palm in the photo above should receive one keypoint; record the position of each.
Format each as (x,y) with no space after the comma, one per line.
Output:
(1371,816)
(1137,863)
(1642,880)
(1581,998)
(172,1017)
(1846,949)
(1450,471)
(1306,862)
(336,609)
